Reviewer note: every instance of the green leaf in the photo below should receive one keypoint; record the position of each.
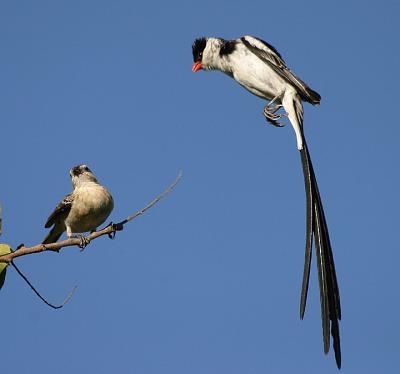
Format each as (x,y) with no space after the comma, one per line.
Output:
(4,249)
(1,220)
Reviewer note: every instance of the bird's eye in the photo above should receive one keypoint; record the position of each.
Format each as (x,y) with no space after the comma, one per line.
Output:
(201,54)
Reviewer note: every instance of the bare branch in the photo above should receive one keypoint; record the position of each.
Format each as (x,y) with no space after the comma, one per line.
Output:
(68,298)
(109,230)
(157,199)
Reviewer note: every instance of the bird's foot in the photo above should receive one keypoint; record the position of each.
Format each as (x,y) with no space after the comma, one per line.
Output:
(271,117)
(270,111)
(273,108)
(84,241)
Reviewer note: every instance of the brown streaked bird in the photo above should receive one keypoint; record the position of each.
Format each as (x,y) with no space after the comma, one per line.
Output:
(83,210)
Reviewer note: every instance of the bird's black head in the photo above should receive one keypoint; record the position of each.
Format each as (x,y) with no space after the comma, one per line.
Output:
(197,48)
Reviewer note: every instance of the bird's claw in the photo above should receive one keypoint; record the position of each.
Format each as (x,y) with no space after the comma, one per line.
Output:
(271,117)
(270,109)
(84,241)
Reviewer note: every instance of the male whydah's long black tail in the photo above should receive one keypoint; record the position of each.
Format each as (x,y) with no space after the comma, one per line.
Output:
(317,228)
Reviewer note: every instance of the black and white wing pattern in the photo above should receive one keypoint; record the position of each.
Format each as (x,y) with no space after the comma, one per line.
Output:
(61,211)
(269,55)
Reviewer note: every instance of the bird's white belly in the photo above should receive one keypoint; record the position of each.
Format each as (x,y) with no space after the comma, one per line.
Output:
(259,79)
(93,204)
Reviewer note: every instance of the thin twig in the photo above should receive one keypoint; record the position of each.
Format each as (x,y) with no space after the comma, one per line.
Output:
(68,298)
(108,230)
(156,200)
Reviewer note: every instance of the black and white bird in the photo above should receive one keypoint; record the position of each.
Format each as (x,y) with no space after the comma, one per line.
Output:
(83,210)
(259,68)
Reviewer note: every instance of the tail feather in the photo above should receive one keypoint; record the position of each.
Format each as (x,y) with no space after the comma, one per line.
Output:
(336,342)
(329,290)
(327,245)
(335,302)
(53,235)
(309,233)
(322,279)
(316,228)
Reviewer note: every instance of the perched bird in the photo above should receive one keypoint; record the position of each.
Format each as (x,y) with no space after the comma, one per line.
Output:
(259,68)
(84,209)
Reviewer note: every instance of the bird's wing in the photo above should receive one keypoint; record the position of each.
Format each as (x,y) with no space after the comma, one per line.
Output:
(61,210)
(264,50)
(269,55)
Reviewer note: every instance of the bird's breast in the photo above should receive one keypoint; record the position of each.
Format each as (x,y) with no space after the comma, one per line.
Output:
(92,205)
(256,76)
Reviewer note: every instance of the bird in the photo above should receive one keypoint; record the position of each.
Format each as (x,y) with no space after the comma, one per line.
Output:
(82,210)
(258,67)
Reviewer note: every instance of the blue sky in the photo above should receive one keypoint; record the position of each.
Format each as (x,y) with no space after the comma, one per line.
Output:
(208,281)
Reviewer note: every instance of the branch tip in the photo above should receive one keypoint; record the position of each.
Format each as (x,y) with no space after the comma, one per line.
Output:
(158,198)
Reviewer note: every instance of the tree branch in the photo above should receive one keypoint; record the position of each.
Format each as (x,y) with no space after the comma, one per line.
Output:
(109,230)
(68,298)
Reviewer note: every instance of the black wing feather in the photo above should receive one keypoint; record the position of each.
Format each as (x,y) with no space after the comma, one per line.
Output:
(271,47)
(271,57)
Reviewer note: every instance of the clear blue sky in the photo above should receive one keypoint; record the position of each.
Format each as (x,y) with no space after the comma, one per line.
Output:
(208,281)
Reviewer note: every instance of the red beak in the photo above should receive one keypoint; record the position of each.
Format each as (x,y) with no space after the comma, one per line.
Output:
(197,66)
